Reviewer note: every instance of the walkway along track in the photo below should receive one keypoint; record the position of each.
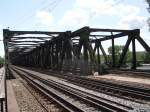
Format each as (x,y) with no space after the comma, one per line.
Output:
(124,90)
(143,73)
(63,93)
(3,95)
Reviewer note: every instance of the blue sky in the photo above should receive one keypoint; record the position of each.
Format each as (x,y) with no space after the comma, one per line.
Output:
(62,15)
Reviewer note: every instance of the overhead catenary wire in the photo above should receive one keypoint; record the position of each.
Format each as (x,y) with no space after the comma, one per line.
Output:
(25,18)
(111,6)
(35,8)
(50,11)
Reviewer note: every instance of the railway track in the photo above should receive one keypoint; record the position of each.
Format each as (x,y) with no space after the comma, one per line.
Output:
(47,105)
(72,99)
(120,90)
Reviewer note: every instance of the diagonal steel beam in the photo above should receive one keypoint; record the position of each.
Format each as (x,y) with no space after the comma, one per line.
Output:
(143,43)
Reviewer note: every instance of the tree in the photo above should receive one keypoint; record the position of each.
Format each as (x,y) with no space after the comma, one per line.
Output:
(1,61)
(148,1)
(148,21)
(146,57)
(118,51)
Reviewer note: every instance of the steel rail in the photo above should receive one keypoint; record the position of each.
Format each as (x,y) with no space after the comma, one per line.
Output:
(125,90)
(134,92)
(16,75)
(36,84)
(103,104)
(77,96)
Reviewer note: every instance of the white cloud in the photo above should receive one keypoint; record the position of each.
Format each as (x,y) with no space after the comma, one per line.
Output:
(126,10)
(95,6)
(84,10)
(136,22)
(128,16)
(1,34)
(132,22)
(45,17)
(106,7)
(1,42)
(74,18)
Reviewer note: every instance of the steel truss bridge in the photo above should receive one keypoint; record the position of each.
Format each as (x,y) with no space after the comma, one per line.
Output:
(77,52)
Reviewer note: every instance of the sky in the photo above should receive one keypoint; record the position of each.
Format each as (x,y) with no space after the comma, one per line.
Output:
(64,15)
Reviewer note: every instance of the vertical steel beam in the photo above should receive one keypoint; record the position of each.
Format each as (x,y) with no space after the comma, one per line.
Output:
(1,102)
(63,52)
(79,48)
(99,59)
(51,56)
(88,48)
(6,37)
(133,54)
(46,59)
(98,56)
(113,51)
(85,54)
(95,47)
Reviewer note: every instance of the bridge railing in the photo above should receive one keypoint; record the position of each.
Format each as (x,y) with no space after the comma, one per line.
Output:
(3,103)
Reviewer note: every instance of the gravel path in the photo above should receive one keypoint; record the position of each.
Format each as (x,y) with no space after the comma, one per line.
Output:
(48,104)
(140,82)
(25,100)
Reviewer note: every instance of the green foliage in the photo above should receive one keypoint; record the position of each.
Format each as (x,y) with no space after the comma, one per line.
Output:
(118,51)
(148,1)
(1,60)
(148,21)
(146,57)
(142,57)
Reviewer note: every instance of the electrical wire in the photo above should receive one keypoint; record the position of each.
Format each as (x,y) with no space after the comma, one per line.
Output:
(111,6)
(57,3)
(27,18)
